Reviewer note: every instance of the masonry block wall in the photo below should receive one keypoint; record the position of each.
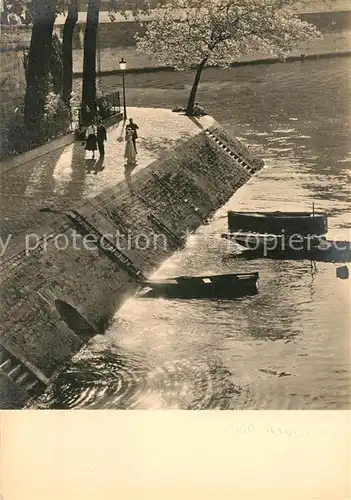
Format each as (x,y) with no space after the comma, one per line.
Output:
(60,294)
(122,34)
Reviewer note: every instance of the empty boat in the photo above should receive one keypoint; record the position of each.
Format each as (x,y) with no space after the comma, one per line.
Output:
(279,243)
(224,286)
(317,249)
(303,223)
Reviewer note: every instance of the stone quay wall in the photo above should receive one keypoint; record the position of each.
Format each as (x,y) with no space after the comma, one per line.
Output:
(118,39)
(57,296)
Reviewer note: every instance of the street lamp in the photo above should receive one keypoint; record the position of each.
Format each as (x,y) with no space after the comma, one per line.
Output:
(123,67)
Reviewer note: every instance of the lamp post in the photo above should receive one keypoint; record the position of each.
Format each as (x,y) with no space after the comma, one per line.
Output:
(123,67)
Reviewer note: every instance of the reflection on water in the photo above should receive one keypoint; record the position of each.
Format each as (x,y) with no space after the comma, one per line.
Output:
(122,379)
(288,346)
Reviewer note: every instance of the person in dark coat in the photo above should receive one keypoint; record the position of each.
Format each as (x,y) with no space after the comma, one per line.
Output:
(133,126)
(101,138)
(198,110)
(91,141)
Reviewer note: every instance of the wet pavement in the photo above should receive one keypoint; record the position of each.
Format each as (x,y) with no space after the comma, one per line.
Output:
(66,175)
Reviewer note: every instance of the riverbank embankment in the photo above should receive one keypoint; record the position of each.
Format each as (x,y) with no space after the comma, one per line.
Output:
(331,45)
(63,280)
(117,40)
(187,354)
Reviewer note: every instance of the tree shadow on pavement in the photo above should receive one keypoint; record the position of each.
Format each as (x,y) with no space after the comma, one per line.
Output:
(76,184)
(23,190)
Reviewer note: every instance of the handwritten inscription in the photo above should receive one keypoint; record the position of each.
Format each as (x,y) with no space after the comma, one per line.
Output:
(272,431)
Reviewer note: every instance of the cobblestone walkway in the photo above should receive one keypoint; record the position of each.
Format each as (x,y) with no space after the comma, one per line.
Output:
(64,176)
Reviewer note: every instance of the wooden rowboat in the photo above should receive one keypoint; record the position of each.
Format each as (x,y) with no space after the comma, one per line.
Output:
(278,243)
(317,249)
(303,223)
(196,287)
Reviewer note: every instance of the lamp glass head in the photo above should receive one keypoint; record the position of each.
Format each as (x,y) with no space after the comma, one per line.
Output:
(122,64)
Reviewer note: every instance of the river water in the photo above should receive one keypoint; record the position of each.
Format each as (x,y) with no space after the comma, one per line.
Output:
(287,347)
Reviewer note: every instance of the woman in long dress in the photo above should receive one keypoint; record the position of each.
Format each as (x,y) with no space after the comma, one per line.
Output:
(91,139)
(129,152)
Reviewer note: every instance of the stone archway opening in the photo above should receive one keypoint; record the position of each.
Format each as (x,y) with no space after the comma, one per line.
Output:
(74,320)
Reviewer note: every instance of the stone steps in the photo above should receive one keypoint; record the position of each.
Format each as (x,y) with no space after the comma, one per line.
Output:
(18,373)
(108,247)
(239,160)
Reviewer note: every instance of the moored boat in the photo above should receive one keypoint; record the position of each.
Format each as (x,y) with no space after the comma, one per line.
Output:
(196,287)
(302,223)
(278,243)
(324,251)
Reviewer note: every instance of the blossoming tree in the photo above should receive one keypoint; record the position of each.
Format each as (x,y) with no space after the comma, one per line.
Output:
(189,34)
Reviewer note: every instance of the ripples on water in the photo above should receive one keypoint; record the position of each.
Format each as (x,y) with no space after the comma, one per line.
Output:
(120,379)
(286,348)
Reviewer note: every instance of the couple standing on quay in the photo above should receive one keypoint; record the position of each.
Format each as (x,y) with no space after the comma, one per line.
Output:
(96,137)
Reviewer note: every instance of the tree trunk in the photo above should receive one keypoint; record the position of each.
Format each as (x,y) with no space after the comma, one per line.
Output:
(56,65)
(67,51)
(39,57)
(89,61)
(192,97)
